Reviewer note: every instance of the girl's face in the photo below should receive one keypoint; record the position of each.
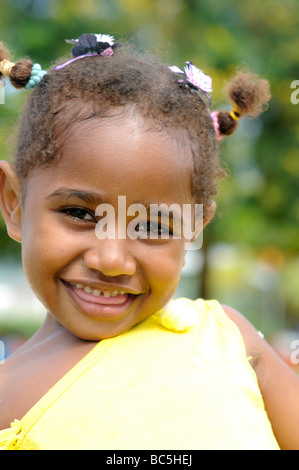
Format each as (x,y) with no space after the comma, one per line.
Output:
(99,288)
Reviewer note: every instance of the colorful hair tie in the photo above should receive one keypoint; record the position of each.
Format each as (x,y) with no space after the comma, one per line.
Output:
(235,113)
(195,79)
(35,77)
(89,45)
(214,116)
(5,67)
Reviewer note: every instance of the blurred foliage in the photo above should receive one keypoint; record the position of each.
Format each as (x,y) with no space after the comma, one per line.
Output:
(258,203)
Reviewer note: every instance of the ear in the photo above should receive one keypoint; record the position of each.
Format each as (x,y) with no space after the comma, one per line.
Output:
(10,200)
(209,213)
(201,222)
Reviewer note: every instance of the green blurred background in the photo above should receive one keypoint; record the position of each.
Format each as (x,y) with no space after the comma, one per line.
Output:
(250,258)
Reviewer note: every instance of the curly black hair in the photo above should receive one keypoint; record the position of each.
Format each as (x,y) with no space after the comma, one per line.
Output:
(96,87)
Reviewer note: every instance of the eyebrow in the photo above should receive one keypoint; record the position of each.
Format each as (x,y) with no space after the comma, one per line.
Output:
(94,198)
(89,197)
(159,209)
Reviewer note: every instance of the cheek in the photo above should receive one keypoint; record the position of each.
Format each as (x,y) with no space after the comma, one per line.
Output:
(38,264)
(165,267)
(44,249)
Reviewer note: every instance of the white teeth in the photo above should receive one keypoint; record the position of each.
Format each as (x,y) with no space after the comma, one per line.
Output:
(106,293)
(88,290)
(98,292)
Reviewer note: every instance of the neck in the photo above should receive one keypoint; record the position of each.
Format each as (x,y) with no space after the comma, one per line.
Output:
(50,330)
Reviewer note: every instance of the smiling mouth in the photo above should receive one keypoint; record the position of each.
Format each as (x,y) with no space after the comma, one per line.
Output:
(107,304)
(105,297)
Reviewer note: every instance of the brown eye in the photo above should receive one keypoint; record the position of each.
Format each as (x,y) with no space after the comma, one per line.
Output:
(154,229)
(78,213)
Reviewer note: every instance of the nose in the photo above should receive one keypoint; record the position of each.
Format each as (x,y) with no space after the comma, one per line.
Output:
(111,258)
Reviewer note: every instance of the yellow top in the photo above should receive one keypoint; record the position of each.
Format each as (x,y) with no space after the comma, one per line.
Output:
(152,388)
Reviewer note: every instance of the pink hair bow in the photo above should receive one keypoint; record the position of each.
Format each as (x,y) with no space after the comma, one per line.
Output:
(195,79)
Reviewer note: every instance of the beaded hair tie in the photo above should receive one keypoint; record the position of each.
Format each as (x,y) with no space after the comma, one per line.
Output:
(35,76)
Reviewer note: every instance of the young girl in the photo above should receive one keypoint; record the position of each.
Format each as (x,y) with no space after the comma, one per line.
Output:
(117,364)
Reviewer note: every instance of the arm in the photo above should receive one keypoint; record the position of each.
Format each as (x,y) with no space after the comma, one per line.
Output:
(279,385)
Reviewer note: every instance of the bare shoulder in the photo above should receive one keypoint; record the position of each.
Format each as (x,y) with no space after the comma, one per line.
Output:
(253,339)
(279,385)
(27,375)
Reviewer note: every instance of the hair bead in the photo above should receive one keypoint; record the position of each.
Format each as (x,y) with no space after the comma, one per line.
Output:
(35,77)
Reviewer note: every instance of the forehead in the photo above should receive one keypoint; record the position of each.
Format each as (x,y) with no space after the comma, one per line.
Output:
(125,157)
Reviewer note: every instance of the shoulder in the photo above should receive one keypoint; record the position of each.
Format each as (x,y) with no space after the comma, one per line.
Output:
(253,339)
(279,385)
